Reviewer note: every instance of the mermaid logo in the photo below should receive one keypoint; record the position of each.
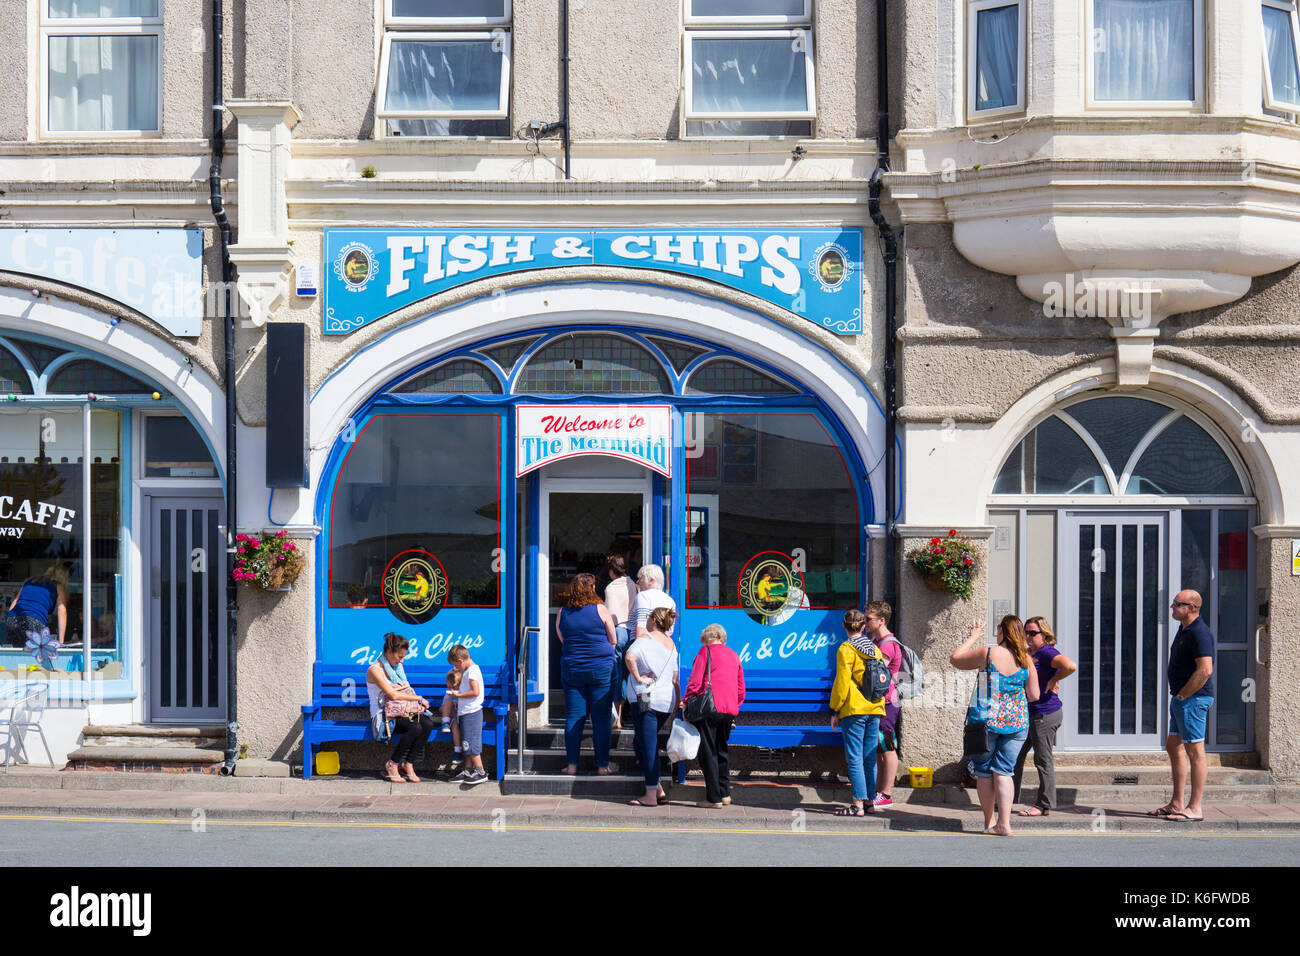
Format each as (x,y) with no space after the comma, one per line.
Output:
(415,586)
(770,588)
(355,265)
(831,266)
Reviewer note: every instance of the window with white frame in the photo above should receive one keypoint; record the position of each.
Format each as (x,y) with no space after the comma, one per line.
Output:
(99,66)
(1146,54)
(444,68)
(1281,56)
(995,57)
(748,68)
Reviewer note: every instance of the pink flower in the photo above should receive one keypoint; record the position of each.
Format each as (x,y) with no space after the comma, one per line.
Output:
(281,534)
(290,546)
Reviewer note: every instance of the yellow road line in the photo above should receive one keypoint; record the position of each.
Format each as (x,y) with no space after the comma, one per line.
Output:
(506,827)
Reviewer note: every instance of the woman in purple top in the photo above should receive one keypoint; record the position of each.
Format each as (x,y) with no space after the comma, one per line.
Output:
(1044,715)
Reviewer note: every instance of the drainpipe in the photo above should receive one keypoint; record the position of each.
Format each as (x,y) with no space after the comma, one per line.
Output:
(227,281)
(889,251)
(541,131)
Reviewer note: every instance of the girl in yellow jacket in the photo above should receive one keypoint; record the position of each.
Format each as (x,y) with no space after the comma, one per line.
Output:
(857,717)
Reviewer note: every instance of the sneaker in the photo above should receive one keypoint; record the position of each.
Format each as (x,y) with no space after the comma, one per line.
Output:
(446,726)
(882,801)
(463,777)
(476,777)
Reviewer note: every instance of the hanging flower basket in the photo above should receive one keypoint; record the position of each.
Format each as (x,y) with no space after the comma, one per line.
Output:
(947,564)
(269,562)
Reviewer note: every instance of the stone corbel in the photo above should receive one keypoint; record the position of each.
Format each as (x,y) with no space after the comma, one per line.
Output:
(262,254)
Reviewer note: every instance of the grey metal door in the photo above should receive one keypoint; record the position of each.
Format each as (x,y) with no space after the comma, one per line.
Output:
(187,598)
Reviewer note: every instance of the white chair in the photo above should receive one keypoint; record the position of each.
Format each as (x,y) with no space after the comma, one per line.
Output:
(26,705)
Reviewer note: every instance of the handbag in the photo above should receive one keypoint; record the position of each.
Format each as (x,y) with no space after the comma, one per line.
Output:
(410,709)
(977,738)
(701,706)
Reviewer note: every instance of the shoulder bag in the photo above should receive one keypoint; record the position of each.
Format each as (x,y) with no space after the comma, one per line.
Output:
(701,707)
(977,739)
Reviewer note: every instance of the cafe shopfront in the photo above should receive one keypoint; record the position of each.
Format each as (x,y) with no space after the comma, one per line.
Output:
(505,443)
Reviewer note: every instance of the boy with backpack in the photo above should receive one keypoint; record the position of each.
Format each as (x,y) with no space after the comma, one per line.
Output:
(901,659)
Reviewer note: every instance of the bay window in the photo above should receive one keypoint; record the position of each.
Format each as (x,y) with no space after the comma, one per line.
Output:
(444,68)
(748,68)
(1146,53)
(100,66)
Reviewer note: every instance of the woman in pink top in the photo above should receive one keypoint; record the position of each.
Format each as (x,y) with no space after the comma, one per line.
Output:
(620,593)
(727,679)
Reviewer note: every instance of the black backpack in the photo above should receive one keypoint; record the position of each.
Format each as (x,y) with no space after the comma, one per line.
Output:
(875,678)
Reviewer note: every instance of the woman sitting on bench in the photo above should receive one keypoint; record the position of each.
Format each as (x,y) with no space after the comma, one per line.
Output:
(386,684)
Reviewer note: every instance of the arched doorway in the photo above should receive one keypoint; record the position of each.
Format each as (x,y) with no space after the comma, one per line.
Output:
(1104,510)
(504,460)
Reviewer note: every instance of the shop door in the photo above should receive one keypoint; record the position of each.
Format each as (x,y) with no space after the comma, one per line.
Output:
(1114,600)
(582,521)
(186,660)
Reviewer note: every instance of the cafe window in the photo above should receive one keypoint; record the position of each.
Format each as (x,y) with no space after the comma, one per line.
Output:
(100,66)
(748,68)
(444,68)
(767,482)
(430,483)
(45,459)
(173,448)
(86,376)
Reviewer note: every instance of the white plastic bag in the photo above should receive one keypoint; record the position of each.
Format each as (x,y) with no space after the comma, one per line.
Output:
(683,741)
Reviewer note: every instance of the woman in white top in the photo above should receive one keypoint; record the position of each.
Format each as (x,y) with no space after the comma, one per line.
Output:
(619,595)
(386,680)
(653,684)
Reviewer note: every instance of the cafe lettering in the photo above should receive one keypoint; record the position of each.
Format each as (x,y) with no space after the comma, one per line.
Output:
(41,515)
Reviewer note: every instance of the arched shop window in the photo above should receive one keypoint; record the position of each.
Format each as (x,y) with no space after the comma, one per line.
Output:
(46,456)
(769,482)
(593,364)
(457,377)
(728,377)
(426,482)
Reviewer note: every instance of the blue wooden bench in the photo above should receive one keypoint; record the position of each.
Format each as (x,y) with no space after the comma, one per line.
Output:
(783,692)
(344,685)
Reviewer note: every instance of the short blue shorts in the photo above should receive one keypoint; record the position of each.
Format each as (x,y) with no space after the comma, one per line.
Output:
(1002,758)
(1187,718)
(471,733)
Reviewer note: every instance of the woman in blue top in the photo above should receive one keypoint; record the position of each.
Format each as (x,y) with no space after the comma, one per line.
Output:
(30,610)
(1002,697)
(586,632)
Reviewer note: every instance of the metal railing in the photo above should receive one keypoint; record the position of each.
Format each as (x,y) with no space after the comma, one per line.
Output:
(521,701)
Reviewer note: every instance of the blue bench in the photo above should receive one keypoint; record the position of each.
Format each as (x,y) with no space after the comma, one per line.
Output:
(784,692)
(344,685)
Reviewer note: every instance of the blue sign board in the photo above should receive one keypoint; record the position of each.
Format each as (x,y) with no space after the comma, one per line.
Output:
(816,273)
(157,272)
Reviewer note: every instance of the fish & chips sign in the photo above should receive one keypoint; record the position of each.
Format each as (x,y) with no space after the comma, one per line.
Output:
(816,273)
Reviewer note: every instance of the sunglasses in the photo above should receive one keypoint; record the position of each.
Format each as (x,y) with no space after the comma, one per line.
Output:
(1182,604)
(1032,633)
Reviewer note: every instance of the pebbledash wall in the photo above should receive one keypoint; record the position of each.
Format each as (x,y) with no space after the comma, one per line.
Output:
(1182,214)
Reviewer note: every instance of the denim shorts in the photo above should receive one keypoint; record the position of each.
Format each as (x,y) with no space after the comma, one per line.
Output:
(471,733)
(1002,758)
(1187,717)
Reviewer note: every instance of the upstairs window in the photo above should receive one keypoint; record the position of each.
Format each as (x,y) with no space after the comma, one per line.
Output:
(1281,56)
(444,68)
(996,58)
(1146,53)
(749,68)
(99,66)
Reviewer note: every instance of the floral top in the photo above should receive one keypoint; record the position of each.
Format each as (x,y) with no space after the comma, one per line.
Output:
(1000,700)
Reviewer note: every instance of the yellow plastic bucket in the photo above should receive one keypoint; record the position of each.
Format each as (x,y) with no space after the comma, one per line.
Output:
(922,777)
(327,763)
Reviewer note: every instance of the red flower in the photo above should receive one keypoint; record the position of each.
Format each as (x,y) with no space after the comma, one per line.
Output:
(952,531)
(936,540)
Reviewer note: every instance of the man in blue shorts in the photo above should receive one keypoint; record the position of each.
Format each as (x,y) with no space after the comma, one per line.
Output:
(1191,686)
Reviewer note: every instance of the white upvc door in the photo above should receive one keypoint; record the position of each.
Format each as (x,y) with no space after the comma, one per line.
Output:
(1113,600)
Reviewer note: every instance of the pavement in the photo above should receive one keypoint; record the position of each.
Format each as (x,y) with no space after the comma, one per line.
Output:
(766,805)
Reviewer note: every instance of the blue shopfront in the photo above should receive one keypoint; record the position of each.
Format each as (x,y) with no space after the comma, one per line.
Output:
(460,498)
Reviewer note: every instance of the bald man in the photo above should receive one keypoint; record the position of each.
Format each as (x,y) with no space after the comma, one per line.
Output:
(1191,686)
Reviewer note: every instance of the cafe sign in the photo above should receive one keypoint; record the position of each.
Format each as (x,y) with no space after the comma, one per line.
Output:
(815,273)
(40,513)
(637,433)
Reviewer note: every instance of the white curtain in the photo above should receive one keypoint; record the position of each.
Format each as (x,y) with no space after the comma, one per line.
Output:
(1280,48)
(997,57)
(103,8)
(1143,49)
(443,75)
(449,8)
(747,8)
(103,83)
(748,75)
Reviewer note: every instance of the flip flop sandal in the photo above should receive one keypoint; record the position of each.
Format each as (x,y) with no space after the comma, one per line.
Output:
(1183,818)
(1033,812)
(1162,812)
(641,803)
(850,811)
